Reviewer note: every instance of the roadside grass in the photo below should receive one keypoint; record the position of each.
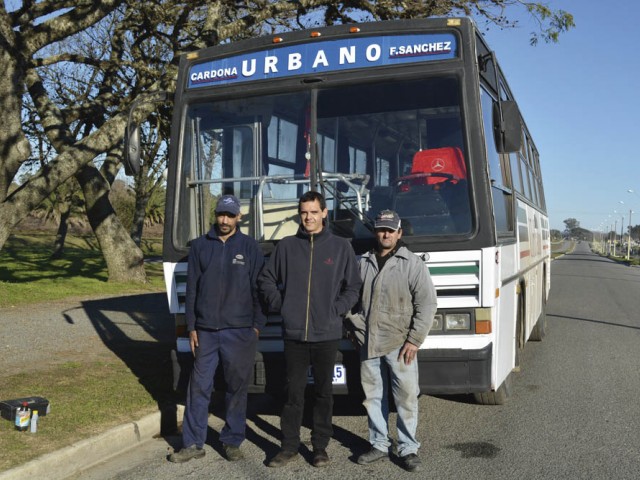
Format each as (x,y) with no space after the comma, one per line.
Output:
(632,261)
(87,396)
(28,274)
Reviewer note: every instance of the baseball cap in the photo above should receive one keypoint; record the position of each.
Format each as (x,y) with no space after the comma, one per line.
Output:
(228,204)
(388,219)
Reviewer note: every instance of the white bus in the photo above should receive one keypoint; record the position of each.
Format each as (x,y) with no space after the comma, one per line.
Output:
(415,116)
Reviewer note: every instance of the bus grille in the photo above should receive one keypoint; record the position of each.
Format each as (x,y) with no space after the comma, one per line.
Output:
(457,282)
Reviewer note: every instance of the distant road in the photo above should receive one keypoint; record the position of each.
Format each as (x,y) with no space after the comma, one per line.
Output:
(574,413)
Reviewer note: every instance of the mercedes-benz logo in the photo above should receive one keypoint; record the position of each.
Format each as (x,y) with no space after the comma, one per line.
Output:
(437,165)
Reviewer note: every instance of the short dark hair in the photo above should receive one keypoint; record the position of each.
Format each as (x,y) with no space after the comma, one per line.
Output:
(312,196)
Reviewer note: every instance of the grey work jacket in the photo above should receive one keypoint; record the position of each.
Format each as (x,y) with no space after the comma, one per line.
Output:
(397,304)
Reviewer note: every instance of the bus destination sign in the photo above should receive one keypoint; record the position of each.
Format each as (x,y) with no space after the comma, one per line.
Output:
(319,57)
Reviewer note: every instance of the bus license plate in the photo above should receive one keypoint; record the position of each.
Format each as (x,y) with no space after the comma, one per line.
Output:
(339,375)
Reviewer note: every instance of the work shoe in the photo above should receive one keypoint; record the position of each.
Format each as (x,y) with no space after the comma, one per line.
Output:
(232,452)
(371,456)
(186,454)
(282,458)
(320,457)
(411,462)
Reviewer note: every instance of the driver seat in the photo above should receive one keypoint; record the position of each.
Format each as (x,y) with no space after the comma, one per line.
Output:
(440,160)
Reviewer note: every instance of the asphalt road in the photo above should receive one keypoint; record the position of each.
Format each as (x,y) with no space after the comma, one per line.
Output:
(574,413)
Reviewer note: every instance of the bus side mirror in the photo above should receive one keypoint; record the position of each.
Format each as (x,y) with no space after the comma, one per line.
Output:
(132,150)
(131,158)
(507,126)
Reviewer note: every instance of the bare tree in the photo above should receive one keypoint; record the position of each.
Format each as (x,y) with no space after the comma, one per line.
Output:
(22,39)
(144,39)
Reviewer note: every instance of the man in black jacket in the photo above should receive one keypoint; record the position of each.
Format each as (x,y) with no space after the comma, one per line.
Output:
(224,318)
(320,283)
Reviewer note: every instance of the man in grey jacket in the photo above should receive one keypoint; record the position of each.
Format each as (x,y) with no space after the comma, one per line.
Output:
(398,303)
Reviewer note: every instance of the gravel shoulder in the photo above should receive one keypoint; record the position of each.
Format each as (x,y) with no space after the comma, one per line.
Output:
(81,329)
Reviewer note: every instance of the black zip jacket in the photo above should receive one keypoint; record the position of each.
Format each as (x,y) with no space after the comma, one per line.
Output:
(313,281)
(221,283)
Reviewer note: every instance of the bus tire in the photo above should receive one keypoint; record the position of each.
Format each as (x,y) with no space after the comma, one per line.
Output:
(497,397)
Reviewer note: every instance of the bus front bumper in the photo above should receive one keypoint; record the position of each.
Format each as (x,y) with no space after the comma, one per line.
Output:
(442,372)
(455,371)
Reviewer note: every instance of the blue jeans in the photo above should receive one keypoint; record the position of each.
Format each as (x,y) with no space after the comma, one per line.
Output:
(375,374)
(298,356)
(235,348)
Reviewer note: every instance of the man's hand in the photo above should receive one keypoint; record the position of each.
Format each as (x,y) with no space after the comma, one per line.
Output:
(193,341)
(257,332)
(408,353)
(353,339)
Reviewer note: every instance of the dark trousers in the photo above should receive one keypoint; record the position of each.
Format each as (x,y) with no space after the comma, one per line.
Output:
(298,356)
(235,348)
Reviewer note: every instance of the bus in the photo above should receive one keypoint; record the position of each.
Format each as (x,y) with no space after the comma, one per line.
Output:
(411,115)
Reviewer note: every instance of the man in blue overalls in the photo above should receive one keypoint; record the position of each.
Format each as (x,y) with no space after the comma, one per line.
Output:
(224,319)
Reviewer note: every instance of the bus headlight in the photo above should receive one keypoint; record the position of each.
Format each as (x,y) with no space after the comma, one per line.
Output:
(437,323)
(457,321)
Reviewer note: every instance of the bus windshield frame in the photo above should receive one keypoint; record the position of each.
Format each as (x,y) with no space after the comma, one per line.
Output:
(378,145)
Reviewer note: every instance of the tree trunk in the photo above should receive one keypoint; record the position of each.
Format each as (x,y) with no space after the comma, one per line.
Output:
(139,215)
(61,234)
(125,261)
(5,227)
(14,146)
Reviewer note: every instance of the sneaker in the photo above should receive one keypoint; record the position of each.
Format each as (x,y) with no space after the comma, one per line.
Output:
(371,456)
(186,454)
(282,458)
(232,452)
(320,457)
(411,462)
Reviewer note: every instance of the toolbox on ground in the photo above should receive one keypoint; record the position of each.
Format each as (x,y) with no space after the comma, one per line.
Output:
(8,407)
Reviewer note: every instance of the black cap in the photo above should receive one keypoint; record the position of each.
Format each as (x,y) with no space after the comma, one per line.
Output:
(388,219)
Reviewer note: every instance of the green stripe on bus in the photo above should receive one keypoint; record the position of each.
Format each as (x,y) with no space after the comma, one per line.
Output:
(454,270)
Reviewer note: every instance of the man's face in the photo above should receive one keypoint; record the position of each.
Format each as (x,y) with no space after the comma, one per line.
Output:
(387,238)
(227,222)
(311,216)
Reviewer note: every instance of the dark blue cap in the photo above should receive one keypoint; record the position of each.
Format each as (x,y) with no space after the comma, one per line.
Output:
(228,204)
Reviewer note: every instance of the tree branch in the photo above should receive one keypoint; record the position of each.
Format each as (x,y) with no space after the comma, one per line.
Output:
(86,14)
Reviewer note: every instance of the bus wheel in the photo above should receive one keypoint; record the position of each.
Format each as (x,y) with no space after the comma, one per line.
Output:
(540,328)
(497,397)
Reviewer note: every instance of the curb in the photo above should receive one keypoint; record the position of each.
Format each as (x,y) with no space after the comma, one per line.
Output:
(87,453)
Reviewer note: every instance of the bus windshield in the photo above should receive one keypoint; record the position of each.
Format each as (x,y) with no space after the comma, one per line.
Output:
(391,145)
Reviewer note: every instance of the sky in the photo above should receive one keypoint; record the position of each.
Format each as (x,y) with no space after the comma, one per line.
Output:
(580,99)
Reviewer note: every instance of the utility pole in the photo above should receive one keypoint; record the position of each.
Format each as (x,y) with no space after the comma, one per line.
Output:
(621,233)
(629,242)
